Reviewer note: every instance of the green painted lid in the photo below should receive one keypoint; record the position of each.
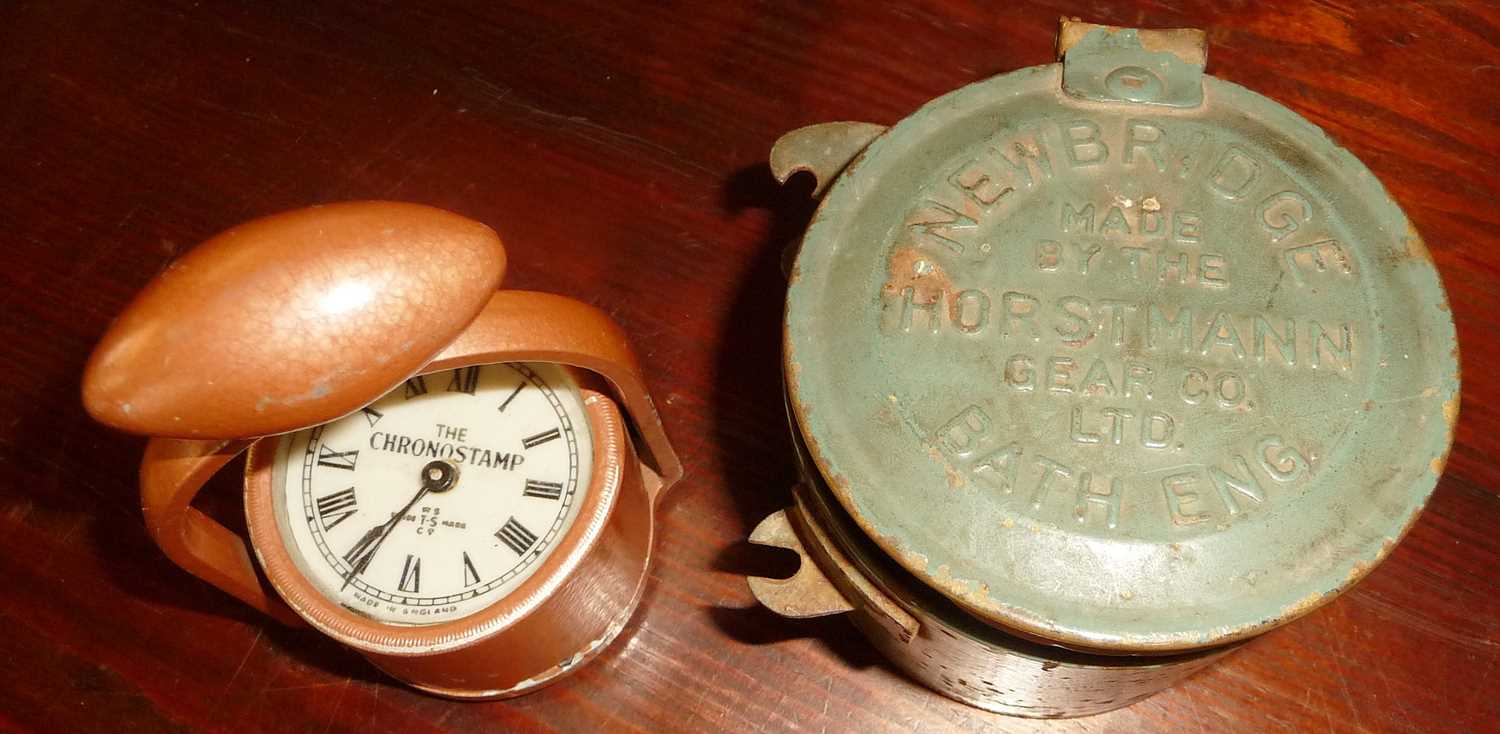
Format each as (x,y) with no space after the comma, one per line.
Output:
(1120,355)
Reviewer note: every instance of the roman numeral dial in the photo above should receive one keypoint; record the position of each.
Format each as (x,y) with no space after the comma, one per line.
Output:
(375,533)
(465,380)
(337,507)
(372,415)
(511,397)
(337,459)
(411,575)
(515,536)
(538,439)
(545,490)
(471,574)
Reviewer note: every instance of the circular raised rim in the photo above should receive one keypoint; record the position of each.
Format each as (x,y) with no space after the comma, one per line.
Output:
(369,635)
(556,526)
(1076,629)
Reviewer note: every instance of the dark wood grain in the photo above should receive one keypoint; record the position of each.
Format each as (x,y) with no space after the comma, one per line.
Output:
(619,151)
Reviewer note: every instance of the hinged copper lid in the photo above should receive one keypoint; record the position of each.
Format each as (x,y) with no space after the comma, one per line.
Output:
(292,320)
(1120,355)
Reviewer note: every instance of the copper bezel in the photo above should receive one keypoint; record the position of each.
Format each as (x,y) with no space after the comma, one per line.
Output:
(369,635)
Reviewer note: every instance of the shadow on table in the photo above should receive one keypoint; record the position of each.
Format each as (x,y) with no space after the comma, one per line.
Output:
(749,411)
(750,419)
(90,504)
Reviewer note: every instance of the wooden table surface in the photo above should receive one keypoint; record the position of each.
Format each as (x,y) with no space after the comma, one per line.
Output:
(620,152)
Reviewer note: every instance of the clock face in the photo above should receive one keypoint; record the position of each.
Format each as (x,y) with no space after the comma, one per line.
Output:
(440,498)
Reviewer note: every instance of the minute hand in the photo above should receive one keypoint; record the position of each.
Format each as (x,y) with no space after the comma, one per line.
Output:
(437,476)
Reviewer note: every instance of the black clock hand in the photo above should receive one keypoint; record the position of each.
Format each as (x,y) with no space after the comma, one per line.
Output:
(359,556)
(437,476)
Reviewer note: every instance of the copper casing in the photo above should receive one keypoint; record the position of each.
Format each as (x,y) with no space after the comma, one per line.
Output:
(300,318)
(291,320)
(565,614)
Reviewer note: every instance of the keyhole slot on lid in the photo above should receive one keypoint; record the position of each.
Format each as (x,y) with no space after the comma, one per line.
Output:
(1133,83)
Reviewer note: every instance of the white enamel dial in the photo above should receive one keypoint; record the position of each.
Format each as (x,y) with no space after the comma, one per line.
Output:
(440,498)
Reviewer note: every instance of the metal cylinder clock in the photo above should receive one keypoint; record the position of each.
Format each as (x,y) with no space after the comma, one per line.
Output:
(1097,370)
(458,482)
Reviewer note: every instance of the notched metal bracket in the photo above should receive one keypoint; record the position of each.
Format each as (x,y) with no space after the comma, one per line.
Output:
(808,593)
(811,593)
(823,150)
(1153,67)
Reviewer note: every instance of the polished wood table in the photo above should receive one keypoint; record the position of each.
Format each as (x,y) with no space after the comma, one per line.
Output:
(620,152)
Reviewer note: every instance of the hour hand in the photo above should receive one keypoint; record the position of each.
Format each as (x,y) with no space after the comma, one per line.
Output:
(437,476)
(359,556)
